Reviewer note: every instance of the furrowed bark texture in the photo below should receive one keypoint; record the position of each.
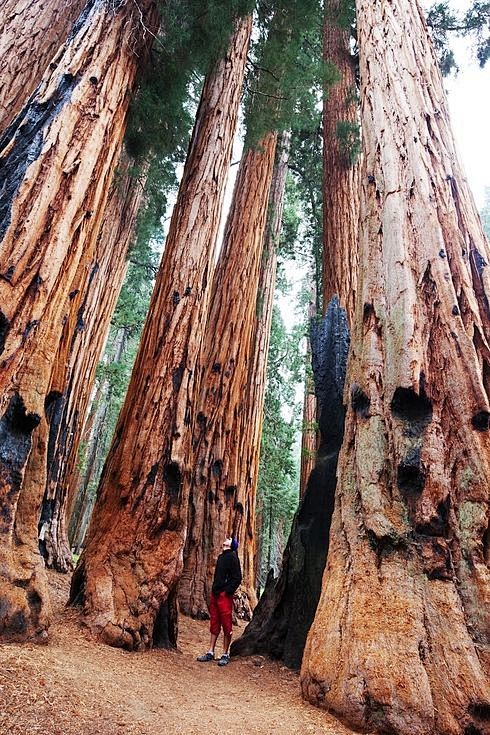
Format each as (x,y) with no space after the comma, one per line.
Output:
(309,431)
(217,503)
(31,32)
(84,335)
(401,636)
(56,163)
(132,561)
(341,173)
(248,449)
(287,607)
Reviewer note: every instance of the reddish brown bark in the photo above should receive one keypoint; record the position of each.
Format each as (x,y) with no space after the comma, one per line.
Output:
(57,166)
(309,435)
(84,334)
(401,635)
(133,555)
(341,181)
(31,32)
(217,506)
(248,448)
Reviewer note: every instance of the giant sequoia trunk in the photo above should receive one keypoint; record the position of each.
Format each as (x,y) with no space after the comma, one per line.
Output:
(132,561)
(341,179)
(56,162)
(31,32)
(84,335)
(287,607)
(401,636)
(247,450)
(217,502)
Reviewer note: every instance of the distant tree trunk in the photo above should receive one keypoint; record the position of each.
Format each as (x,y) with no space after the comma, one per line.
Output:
(248,448)
(401,635)
(341,173)
(286,609)
(94,436)
(31,33)
(132,560)
(57,164)
(217,506)
(82,343)
(309,432)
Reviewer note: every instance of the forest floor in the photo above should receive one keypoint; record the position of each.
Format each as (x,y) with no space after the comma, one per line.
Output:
(74,686)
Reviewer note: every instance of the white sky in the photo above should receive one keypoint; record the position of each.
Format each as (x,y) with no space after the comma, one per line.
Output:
(469,106)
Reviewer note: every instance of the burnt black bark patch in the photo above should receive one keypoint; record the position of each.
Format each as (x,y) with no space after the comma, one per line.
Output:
(360,401)
(175,298)
(230,491)
(216,367)
(173,481)
(27,131)
(407,406)
(480,710)
(29,327)
(4,330)
(80,325)
(77,586)
(35,604)
(152,474)
(481,421)
(211,497)
(201,420)
(217,468)
(165,627)
(472,730)
(239,508)
(177,376)
(410,474)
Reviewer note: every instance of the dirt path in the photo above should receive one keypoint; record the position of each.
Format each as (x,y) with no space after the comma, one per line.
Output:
(73,686)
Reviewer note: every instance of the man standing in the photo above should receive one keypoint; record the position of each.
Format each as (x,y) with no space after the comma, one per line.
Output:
(227,578)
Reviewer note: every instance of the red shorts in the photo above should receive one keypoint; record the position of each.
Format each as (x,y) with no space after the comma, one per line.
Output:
(220,612)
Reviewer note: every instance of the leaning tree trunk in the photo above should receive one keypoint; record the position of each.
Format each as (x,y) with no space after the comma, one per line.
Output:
(217,506)
(401,635)
(56,163)
(132,561)
(81,345)
(341,173)
(31,32)
(287,607)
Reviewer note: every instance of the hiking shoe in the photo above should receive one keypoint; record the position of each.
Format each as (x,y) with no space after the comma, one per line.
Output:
(209,656)
(225,659)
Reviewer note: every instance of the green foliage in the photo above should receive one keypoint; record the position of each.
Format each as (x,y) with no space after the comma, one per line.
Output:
(304,193)
(285,82)
(475,24)
(349,138)
(277,491)
(194,36)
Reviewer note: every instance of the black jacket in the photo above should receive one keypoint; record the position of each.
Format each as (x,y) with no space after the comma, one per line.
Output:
(227,575)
